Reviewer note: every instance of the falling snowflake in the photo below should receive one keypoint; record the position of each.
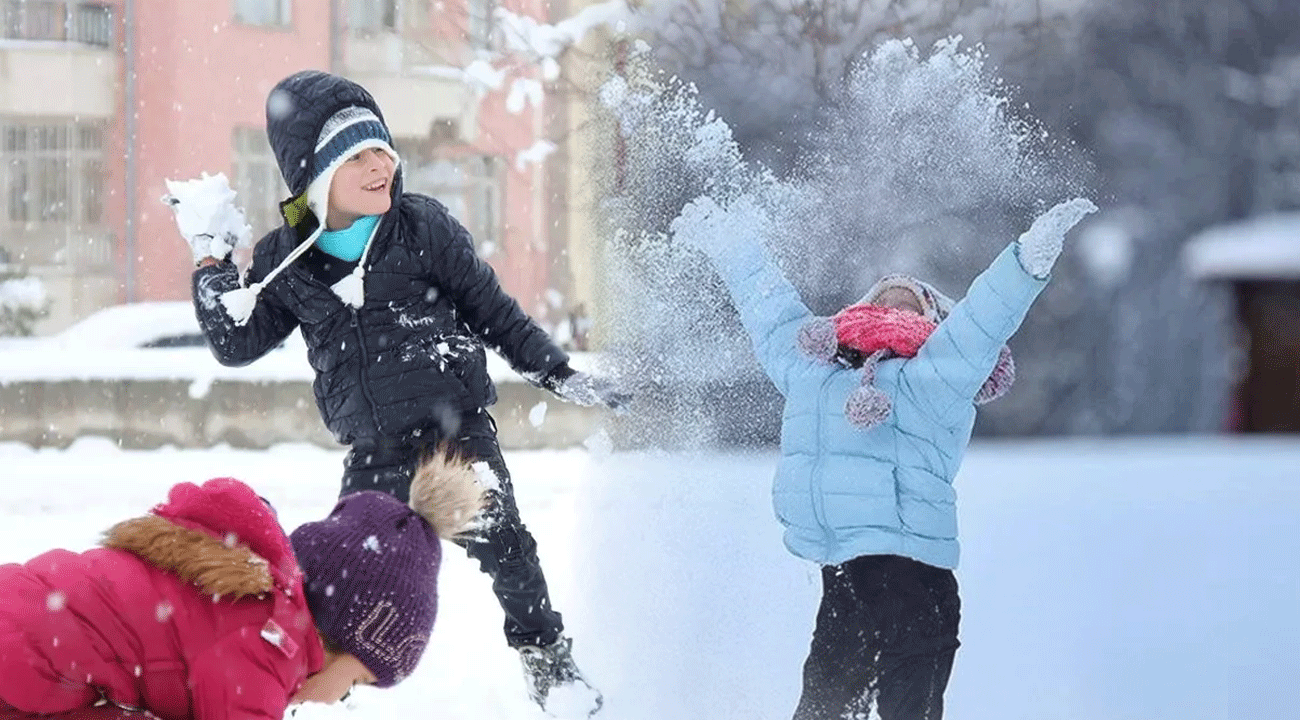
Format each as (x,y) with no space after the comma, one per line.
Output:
(537,415)
(56,601)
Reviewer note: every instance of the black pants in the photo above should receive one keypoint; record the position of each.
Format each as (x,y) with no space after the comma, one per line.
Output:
(503,547)
(885,640)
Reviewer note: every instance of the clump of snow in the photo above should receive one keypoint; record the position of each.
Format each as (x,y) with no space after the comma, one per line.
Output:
(200,387)
(534,154)
(482,76)
(486,477)
(572,701)
(371,543)
(523,92)
(537,415)
(23,293)
(206,213)
(528,37)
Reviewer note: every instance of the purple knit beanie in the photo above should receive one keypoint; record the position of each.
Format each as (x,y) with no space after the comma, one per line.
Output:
(371,572)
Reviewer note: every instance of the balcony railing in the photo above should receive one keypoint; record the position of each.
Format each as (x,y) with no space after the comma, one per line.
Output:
(90,23)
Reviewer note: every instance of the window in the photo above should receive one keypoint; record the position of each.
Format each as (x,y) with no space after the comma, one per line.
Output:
(85,22)
(52,173)
(478,28)
(471,187)
(267,13)
(372,15)
(256,180)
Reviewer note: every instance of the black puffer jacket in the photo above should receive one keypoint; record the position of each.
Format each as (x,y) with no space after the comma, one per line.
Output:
(415,350)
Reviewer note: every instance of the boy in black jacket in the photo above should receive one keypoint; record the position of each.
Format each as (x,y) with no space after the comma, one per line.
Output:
(396,308)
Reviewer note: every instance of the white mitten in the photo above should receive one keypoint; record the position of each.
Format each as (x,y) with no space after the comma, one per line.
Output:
(707,226)
(1041,244)
(207,216)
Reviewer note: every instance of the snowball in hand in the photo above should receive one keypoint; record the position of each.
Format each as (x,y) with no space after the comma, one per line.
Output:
(207,216)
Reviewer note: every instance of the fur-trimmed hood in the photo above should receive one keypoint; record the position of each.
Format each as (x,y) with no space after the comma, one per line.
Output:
(220,536)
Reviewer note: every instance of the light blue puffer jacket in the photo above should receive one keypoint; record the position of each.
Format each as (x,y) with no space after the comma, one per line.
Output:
(841,491)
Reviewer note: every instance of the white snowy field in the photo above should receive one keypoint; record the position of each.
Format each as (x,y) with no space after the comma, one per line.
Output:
(1101,580)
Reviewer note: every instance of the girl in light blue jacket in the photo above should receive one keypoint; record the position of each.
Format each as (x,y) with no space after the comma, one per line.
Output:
(879,405)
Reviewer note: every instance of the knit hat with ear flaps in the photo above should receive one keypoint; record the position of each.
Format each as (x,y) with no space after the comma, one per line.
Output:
(371,567)
(874,333)
(346,133)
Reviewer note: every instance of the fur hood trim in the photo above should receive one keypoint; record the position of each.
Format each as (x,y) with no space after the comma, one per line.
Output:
(448,493)
(218,568)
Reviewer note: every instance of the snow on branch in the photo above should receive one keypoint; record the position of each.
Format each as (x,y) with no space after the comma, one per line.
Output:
(534,155)
(527,36)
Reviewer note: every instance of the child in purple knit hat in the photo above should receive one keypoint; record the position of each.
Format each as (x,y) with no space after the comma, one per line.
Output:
(371,573)
(204,609)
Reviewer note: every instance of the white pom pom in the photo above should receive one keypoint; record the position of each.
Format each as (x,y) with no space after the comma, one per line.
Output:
(817,339)
(239,303)
(867,407)
(351,289)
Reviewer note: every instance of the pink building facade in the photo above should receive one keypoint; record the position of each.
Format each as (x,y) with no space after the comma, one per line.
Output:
(171,89)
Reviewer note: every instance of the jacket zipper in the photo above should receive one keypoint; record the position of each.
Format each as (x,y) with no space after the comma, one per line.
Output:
(362,370)
(361,338)
(818,501)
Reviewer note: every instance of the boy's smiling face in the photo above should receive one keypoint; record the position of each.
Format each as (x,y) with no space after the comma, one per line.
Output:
(361,186)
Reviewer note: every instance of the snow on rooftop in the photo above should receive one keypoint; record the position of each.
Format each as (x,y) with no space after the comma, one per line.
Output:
(1264,247)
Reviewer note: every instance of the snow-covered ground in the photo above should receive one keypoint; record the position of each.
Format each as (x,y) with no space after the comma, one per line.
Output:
(1101,580)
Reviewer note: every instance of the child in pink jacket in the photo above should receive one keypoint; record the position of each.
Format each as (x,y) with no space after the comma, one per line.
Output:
(201,610)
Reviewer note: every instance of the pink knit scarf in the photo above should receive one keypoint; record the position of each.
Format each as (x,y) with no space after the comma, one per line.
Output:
(880,333)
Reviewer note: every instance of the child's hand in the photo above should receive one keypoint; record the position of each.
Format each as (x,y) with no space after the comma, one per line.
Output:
(580,388)
(707,226)
(1041,244)
(207,216)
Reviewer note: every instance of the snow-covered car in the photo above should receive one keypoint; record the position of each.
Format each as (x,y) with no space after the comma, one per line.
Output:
(146,340)
(142,325)
(136,325)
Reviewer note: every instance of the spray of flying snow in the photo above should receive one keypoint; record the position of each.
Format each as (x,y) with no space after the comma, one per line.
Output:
(923,160)
(921,166)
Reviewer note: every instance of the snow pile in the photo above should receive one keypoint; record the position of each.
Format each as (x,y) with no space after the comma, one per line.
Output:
(1097,579)
(1110,580)
(22,294)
